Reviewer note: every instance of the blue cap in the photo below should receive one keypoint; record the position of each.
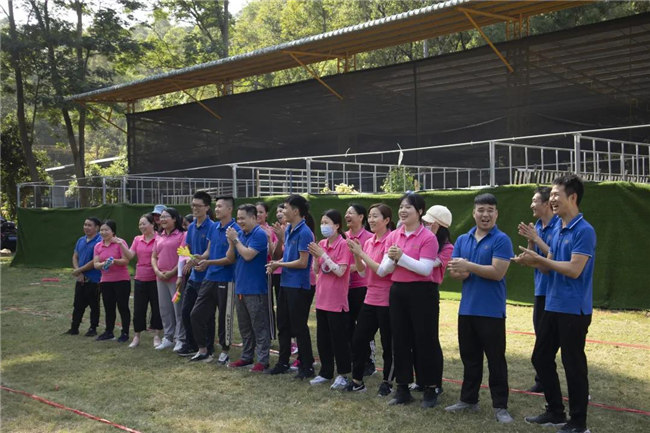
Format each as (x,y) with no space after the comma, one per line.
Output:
(159,208)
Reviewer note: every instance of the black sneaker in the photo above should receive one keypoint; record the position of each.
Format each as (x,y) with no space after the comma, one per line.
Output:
(402,396)
(304,373)
(547,419)
(186,351)
(369,370)
(385,389)
(430,397)
(71,331)
(415,387)
(91,332)
(571,428)
(124,337)
(278,369)
(205,357)
(536,388)
(105,336)
(356,387)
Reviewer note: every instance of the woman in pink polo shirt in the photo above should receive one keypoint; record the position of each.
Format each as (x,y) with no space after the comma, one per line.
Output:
(145,289)
(164,261)
(374,313)
(115,283)
(332,260)
(410,253)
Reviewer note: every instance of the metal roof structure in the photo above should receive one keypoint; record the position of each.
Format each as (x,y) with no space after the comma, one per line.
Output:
(440,19)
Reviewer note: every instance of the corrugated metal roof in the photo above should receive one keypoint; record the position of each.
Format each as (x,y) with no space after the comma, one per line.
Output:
(425,23)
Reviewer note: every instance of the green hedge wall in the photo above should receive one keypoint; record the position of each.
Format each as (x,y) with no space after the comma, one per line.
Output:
(618,211)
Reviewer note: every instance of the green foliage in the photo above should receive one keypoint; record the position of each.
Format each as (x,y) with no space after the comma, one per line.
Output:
(399,179)
(14,168)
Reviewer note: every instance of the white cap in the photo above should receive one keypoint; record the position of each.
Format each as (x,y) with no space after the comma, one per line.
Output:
(438,214)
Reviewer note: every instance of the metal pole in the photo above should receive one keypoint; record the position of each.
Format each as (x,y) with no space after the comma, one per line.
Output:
(609,160)
(576,151)
(234,180)
(492,164)
(374,179)
(308,164)
(103,189)
(123,189)
(510,163)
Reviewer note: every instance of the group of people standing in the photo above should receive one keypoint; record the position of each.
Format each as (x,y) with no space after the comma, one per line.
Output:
(376,276)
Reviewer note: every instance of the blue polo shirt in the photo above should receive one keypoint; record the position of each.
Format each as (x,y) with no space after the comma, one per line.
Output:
(218,249)
(197,240)
(572,295)
(85,251)
(480,296)
(294,242)
(546,234)
(250,276)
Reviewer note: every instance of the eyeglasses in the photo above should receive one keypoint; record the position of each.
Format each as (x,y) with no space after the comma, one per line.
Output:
(197,205)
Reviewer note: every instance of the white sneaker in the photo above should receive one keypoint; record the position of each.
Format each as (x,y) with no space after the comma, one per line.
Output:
(178,346)
(135,342)
(165,344)
(223,358)
(318,380)
(341,382)
(156,341)
(502,415)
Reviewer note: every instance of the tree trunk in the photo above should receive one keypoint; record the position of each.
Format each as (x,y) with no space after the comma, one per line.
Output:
(84,196)
(225,29)
(25,139)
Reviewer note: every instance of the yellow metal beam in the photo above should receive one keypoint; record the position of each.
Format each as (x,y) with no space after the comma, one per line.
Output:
(205,107)
(101,115)
(315,75)
(488,14)
(307,53)
(496,51)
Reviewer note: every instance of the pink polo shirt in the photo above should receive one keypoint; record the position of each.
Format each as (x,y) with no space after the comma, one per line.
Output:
(143,249)
(357,280)
(444,255)
(332,291)
(166,247)
(378,287)
(115,272)
(421,244)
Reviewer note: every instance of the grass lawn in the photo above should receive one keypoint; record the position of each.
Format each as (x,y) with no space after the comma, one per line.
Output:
(159,392)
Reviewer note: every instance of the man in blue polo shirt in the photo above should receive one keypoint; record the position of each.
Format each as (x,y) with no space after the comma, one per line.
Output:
(250,248)
(567,315)
(539,238)
(213,293)
(86,291)
(480,259)
(197,242)
(296,293)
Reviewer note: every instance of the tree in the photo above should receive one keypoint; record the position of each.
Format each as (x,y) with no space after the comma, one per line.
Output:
(399,179)
(13,167)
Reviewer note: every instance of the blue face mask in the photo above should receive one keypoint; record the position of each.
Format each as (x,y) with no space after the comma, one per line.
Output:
(327,230)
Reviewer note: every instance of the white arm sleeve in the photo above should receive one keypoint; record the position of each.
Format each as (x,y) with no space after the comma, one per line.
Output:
(437,263)
(421,267)
(329,266)
(181,263)
(386,266)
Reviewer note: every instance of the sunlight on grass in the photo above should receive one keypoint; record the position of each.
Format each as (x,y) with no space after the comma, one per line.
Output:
(30,358)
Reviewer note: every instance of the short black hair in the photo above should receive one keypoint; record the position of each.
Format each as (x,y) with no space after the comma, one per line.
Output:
(416,200)
(264,205)
(111,224)
(544,193)
(228,199)
(250,209)
(202,195)
(485,198)
(95,220)
(572,185)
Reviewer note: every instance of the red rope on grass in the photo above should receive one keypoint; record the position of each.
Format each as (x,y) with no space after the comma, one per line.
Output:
(77,411)
(600,405)
(609,343)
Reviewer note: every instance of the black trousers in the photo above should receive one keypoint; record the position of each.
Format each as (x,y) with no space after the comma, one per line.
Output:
(414,314)
(116,293)
(275,284)
(567,332)
(371,318)
(478,335)
(293,314)
(86,294)
(538,312)
(333,342)
(356,297)
(145,293)
(212,295)
(190,294)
